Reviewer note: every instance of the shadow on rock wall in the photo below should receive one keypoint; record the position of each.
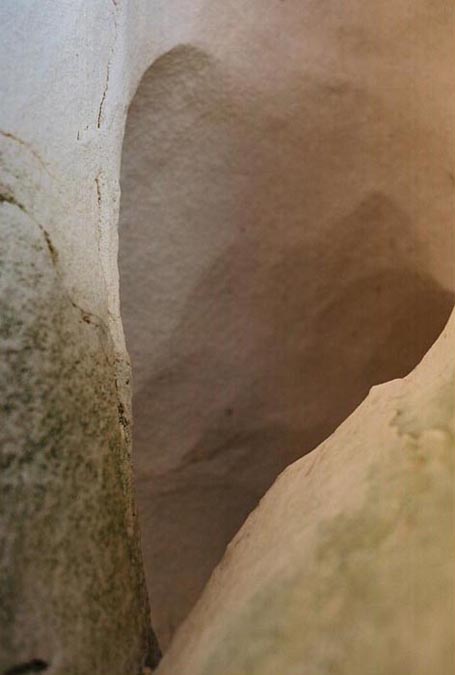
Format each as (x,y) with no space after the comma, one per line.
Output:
(255,326)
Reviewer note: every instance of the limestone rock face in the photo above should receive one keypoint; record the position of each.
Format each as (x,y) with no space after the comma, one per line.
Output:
(347,565)
(286,242)
(70,557)
(72,590)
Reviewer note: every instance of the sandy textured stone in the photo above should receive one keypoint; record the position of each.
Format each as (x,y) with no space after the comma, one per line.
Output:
(270,152)
(286,243)
(72,590)
(347,566)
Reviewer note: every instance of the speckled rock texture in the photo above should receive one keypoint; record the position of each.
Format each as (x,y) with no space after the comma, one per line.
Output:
(347,566)
(72,589)
(72,595)
(286,242)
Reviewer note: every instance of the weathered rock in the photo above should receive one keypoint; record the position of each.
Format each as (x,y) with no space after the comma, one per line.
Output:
(286,243)
(72,590)
(347,565)
(334,131)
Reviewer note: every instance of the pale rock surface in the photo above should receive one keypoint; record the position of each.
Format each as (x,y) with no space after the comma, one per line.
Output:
(72,590)
(286,243)
(294,119)
(347,566)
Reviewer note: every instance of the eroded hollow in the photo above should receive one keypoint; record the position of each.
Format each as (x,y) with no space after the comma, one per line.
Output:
(262,295)
(33,666)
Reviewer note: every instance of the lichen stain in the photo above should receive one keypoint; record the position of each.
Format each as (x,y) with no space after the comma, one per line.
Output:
(72,563)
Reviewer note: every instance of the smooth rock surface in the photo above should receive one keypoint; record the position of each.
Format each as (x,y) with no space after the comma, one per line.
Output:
(286,242)
(347,566)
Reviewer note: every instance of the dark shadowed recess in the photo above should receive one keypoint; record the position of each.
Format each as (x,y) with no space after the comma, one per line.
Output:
(33,666)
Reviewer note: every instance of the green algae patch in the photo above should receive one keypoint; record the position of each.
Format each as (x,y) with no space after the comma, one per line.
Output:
(72,593)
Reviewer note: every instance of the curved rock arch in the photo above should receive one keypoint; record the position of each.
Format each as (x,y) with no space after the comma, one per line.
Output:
(65,442)
(264,288)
